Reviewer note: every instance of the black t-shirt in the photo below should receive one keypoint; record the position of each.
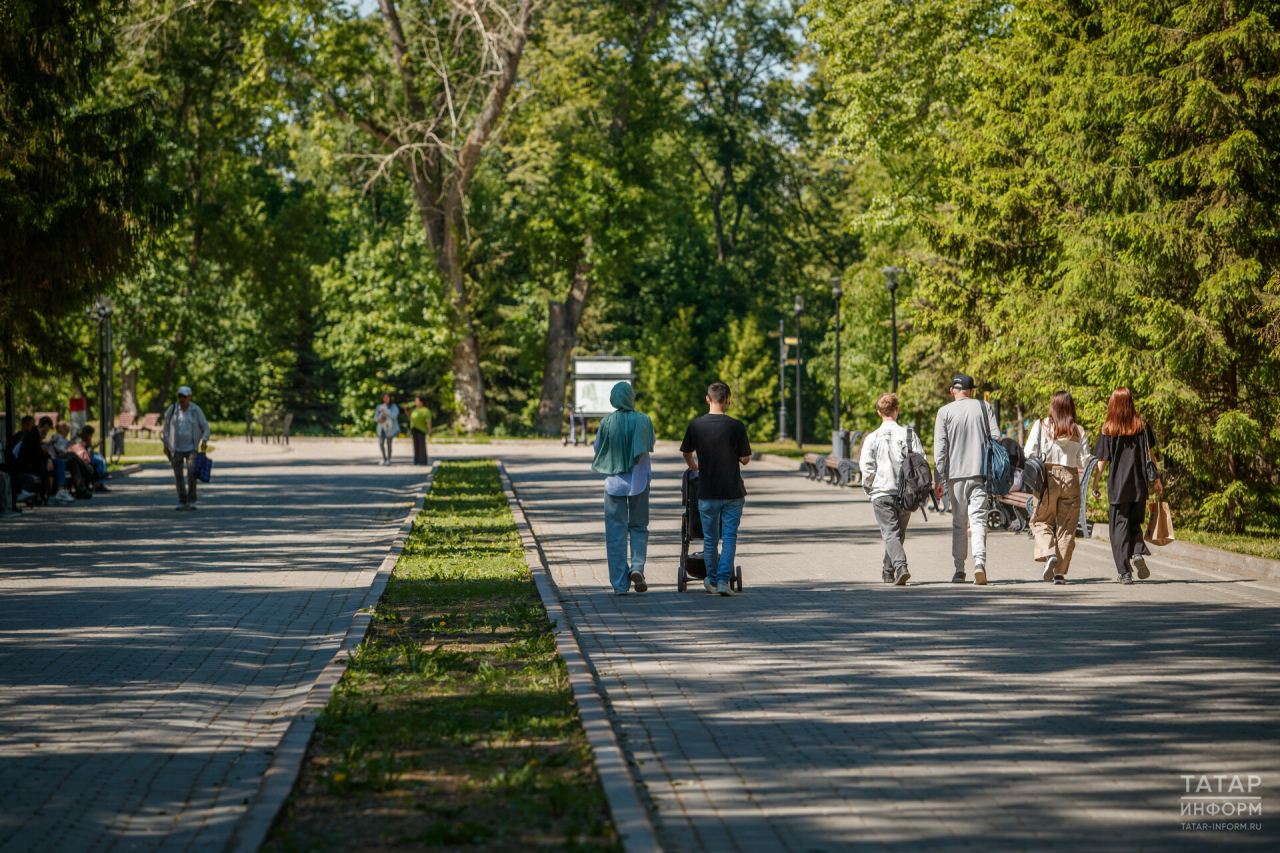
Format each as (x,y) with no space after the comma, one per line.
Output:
(719,441)
(1125,482)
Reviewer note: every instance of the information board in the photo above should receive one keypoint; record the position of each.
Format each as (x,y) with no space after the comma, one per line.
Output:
(593,380)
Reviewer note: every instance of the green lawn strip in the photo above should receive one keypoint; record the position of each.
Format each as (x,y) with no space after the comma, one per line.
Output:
(454,725)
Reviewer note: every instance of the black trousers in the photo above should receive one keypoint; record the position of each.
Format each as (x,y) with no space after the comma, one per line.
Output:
(1125,526)
(419,447)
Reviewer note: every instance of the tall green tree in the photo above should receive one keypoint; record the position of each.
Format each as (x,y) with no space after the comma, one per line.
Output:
(75,195)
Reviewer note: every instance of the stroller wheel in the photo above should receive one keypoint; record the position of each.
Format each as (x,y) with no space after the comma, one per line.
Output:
(682,580)
(736,579)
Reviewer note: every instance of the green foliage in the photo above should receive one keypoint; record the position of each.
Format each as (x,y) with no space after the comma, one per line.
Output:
(749,368)
(1102,216)
(75,197)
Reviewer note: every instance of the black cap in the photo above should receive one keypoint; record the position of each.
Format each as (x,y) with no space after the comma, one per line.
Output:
(963,382)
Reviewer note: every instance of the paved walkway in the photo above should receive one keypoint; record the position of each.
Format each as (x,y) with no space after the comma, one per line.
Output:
(823,711)
(150,659)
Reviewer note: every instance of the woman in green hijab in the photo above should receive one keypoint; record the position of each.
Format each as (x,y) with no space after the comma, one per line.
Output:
(623,444)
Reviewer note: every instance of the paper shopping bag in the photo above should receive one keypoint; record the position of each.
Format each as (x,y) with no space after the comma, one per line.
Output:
(1160,525)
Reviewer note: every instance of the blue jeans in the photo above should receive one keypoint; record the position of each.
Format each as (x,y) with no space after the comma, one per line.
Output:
(626,518)
(720,516)
(60,472)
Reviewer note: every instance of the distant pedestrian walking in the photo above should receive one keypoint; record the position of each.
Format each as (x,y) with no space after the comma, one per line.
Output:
(623,444)
(1127,444)
(184,428)
(881,462)
(1063,446)
(419,429)
(960,438)
(386,416)
(721,448)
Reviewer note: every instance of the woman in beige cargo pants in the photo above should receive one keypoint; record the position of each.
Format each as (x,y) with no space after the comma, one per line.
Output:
(1064,447)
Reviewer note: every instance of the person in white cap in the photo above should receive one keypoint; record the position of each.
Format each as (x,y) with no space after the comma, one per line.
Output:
(184,428)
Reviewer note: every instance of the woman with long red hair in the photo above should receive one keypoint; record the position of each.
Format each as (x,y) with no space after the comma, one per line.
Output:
(1126,444)
(1061,443)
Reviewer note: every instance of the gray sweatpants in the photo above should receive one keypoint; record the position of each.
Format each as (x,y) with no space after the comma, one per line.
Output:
(893,529)
(968,510)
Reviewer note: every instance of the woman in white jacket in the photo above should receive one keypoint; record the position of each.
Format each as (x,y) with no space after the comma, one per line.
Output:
(1063,446)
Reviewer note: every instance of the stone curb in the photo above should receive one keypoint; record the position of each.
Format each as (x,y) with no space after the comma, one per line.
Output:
(1203,557)
(286,762)
(629,814)
(127,470)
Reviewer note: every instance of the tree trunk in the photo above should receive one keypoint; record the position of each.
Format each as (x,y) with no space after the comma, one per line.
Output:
(562,335)
(129,390)
(468,382)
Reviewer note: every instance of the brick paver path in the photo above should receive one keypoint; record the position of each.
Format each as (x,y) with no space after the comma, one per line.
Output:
(150,659)
(823,710)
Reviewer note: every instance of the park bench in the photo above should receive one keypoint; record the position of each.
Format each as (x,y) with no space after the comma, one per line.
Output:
(53,416)
(127,421)
(1014,510)
(829,469)
(150,423)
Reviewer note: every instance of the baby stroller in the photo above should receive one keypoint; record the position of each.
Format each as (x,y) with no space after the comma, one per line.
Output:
(694,565)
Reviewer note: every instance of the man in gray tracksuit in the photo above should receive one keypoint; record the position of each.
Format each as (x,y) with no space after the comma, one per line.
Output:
(959,446)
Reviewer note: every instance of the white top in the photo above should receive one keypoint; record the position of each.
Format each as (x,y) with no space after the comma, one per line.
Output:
(882,454)
(387,416)
(184,430)
(633,482)
(1071,451)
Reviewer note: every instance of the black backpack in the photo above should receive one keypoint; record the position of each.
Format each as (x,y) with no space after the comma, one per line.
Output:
(915,480)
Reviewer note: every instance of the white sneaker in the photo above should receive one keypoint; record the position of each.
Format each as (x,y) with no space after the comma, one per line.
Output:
(637,579)
(708,586)
(724,588)
(1050,567)
(25,495)
(980,575)
(63,497)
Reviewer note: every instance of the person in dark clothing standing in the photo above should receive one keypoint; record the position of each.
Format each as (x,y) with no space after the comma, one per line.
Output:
(1126,443)
(720,444)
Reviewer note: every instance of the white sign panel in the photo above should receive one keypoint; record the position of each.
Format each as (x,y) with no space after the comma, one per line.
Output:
(601,367)
(591,396)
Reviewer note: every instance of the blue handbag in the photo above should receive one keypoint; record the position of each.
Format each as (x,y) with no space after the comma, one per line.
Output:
(204,467)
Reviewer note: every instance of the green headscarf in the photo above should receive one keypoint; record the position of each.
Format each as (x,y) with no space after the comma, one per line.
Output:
(624,435)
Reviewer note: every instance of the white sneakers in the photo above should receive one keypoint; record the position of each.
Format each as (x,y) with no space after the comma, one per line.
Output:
(637,579)
(1050,567)
(63,497)
(980,574)
(708,586)
(724,588)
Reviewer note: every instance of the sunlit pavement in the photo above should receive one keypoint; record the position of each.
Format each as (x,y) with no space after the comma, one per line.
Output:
(150,659)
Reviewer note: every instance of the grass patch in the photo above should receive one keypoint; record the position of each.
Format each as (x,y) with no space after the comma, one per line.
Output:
(1255,543)
(454,725)
(789,449)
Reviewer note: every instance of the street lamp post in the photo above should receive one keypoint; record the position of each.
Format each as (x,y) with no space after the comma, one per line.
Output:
(891,282)
(835,419)
(782,380)
(101,312)
(799,421)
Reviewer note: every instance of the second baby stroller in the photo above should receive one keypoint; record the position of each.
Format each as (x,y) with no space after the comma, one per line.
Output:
(694,565)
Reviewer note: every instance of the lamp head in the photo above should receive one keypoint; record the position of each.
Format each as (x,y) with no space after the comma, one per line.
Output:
(799,303)
(891,277)
(835,287)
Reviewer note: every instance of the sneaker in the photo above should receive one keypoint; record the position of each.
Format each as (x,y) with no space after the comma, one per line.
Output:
(1049,566)
(724,588)
(1126,577)
(901,578)
(191,505)
(180,507)
(1140,565)
(708,586)
(886,575)
(958,577)
(623,592)
(1059,579)
(83,495)
(100,487)
(980,575)
(63,497)
(24,495)
(637,578)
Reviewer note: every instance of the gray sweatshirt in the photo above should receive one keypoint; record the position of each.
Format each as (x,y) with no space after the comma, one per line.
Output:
(960,438)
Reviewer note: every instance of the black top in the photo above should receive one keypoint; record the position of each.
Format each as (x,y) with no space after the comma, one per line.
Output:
(1126,482)
(33,459)
(720,441)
